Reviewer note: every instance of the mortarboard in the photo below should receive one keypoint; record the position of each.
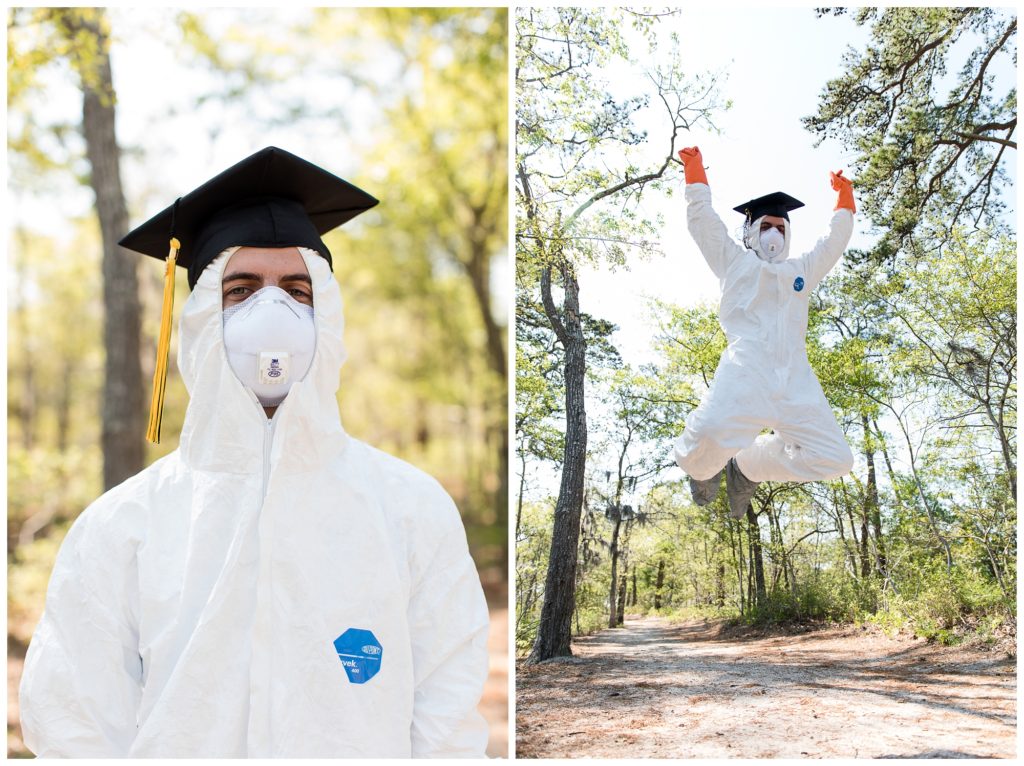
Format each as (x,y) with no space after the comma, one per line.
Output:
(776,203)
(270,199)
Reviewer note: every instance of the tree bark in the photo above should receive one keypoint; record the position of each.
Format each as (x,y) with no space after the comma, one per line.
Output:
(613,551)
(123,430)
(620,614)
(554,633)
(759,595)
(659,583)
(873,510)
(736,543)
(522,489)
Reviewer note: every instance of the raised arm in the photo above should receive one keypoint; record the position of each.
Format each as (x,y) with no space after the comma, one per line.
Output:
(706,228)
(829,249)
(82,681)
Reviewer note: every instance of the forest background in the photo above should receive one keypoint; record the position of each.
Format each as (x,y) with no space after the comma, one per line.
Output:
(913,336)
(114,113)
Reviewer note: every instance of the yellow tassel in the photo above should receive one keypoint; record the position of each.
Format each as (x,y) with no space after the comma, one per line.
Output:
(163,348)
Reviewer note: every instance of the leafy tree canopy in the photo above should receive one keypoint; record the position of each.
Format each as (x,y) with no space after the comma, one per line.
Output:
(929,141)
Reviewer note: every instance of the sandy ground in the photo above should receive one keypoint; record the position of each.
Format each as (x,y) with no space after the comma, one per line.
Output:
(493,704)
(660,690)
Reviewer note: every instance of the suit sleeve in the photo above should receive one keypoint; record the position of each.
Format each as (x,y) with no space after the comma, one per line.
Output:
(448,622)
(82,680)
(708,230)
(829,249)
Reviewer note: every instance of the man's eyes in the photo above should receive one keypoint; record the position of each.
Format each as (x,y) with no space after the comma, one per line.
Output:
(240,292)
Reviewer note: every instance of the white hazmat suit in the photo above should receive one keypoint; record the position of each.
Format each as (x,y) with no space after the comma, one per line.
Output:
(271,588)
(763,379)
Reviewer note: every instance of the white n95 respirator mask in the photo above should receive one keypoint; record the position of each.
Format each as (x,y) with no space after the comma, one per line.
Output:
(772,242)
(270,338)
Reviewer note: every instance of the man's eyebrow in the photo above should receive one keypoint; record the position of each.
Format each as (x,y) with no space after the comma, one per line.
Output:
(249,276)
(243,275)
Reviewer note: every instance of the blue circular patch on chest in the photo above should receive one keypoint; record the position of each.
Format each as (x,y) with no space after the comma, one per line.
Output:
(798,284)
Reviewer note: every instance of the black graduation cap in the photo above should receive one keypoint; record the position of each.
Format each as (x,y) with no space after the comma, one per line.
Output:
(270,199)
(776,203)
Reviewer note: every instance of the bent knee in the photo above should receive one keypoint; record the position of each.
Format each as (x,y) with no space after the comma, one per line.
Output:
(840,463)
(701,459)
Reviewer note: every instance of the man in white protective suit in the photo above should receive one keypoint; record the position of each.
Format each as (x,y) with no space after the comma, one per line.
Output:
(274,587)
(763,379)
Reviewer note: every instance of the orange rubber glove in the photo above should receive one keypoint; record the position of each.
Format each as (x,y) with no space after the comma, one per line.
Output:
(845,188)
(693,165)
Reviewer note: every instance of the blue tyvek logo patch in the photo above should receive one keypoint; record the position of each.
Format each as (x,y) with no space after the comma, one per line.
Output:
(798,284)
(360,653)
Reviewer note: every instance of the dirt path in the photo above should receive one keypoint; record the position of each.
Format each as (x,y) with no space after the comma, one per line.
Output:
(662,690)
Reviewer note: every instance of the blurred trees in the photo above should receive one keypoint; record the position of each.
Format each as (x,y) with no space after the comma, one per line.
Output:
(421,274)
(81,36)
(440,158)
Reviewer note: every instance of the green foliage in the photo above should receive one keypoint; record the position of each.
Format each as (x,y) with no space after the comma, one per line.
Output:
(533,539)
(931,144)
(948,606)
(825,596)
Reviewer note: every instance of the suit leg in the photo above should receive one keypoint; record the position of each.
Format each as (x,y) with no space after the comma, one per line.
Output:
(731,414)
(808,445)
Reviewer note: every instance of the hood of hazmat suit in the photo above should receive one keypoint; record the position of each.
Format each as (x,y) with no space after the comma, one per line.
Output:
(271,588)
(752,239)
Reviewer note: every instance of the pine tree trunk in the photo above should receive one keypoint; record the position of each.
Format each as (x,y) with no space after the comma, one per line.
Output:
(613,590)
(874,509)
(659,583)
(759,595)
(620,615)
(554,632)
(123,413)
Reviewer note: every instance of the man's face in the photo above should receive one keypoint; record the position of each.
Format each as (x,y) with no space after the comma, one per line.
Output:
(774,222)
(253,268)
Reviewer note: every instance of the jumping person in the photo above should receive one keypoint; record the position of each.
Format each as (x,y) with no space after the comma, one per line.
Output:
(763,380)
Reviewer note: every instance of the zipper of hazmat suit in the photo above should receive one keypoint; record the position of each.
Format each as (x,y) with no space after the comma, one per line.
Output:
(260,718)
(781,344)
